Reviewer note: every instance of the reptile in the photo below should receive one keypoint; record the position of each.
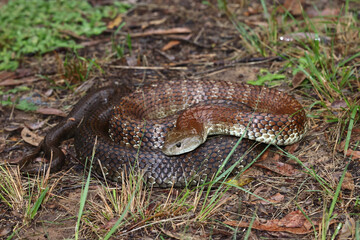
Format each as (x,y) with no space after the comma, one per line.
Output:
(123,130)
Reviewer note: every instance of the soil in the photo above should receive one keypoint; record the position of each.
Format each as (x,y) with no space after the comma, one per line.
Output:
(203,43)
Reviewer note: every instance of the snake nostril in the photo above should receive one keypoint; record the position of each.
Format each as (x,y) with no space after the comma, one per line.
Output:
(178,144)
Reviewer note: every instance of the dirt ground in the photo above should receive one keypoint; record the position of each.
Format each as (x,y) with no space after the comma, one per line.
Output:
(202,44)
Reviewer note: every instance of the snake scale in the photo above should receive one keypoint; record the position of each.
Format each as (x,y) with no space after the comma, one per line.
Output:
(126,130)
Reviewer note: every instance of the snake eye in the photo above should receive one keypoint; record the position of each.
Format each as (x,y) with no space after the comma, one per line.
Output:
(178,144)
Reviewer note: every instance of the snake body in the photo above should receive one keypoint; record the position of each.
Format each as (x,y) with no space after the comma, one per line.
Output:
(139,121)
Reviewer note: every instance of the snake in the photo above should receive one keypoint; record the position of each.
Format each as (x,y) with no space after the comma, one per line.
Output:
(152,130)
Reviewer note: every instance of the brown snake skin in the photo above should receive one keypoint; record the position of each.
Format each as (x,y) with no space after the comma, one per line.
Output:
(142,134)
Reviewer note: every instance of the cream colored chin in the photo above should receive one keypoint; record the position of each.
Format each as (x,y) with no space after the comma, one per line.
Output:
(182,146)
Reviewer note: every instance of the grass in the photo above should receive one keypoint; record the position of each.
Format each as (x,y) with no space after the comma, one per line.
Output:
(330,76)
(18,103)
(11,189)
(37,27)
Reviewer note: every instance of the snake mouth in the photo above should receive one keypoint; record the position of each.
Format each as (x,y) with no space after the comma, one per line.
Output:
(181,144)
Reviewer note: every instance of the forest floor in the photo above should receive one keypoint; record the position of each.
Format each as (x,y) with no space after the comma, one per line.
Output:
(309,190)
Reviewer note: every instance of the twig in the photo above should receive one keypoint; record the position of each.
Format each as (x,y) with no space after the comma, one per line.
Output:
(148,68)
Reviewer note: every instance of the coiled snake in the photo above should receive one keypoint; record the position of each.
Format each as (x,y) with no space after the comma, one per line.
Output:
(128,129)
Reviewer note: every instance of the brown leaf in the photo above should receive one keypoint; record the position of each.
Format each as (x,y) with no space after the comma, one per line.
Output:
(170,45)
(12,127)
(348,183)
(292,148)
(293,6)
(5,231)
(339,104)
(278,197)
(13,82)
(253,9)
(298,79)
(116,22)
(51,111)
(271,226)
(6,75)
(132,60)
(17,160)
(179,236)
(34,125)
(311,12)
(348,229)
(30,137)
(110,223)
(293,220)
(281,168)
(353,154)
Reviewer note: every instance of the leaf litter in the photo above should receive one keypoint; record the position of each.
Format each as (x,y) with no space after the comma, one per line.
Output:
(179,36)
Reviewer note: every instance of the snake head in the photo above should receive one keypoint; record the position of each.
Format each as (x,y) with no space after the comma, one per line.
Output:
(180,142)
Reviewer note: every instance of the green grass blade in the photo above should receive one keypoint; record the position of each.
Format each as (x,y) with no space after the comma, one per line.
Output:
(38,203)
(350,128)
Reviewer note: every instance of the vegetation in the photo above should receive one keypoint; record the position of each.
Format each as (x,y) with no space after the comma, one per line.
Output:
(320,67)
(39,26)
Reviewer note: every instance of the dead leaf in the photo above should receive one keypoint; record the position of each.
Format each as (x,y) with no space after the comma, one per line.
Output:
(180,236)
(298,79)
(5,231)
(312,12)
(353,154)
(281,168)
(12,127)
(170,45)
(23,72)
(293,6)
(292,223)
(51,111)
(293,220)
(348,183)
(271,226)
(260,191)
(132,60)
(348,229)
(13,82)
(278,197)
(339,104)
(34,125)
(30,137)
(110,223)
(17,160)
(116,22)
(292,148)
(49,92)
(6,75)
(241,181)
(253,10)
